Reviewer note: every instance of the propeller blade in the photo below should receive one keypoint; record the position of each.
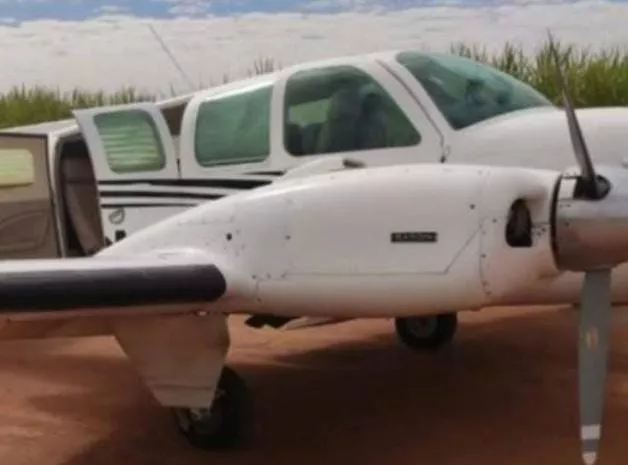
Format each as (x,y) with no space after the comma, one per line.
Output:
(595,313)
(575,133)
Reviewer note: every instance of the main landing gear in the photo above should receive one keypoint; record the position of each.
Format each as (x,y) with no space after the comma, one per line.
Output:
(426,332)
(226,423)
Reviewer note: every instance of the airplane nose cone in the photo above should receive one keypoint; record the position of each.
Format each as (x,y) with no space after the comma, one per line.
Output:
(592,233)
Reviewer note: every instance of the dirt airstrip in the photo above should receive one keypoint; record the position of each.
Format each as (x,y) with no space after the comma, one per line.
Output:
(503,393)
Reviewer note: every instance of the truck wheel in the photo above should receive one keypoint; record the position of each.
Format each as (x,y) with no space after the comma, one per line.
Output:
(426,332)
(226,423)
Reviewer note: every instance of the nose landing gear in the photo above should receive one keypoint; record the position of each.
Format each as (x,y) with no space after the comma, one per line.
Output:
(426,332)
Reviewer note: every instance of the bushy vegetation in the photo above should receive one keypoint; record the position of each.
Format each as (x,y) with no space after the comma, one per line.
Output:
(597,78)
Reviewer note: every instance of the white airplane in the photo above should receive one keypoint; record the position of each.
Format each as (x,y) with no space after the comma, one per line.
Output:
(441,229)
(89,181)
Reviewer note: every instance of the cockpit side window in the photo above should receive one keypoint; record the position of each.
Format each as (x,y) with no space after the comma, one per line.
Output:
(467,92)
(342,109)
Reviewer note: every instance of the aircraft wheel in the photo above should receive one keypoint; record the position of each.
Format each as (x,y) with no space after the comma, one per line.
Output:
(427,332)
(226,423)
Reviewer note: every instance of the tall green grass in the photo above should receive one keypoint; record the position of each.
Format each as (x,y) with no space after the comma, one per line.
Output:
(595,78)
(21,106)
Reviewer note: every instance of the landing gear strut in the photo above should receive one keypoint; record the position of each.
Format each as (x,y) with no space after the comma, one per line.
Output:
(426,332)
(226,423)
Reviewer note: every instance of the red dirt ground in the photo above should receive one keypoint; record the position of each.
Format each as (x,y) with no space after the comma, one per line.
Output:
(503,392)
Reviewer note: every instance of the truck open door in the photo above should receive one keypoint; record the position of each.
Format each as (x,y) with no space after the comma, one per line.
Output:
(132,152)
(27,218)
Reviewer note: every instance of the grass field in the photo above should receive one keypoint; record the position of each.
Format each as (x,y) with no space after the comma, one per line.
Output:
(595,79)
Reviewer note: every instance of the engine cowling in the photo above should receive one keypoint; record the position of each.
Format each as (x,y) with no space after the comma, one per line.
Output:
(402,240)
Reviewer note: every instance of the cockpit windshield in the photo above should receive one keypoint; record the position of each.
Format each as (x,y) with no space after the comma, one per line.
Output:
(468,92)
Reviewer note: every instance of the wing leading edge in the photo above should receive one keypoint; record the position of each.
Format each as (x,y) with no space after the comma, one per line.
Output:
(88,284)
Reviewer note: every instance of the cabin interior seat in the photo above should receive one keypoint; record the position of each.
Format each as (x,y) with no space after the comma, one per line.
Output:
(338,133)
(80,194)
(372,127)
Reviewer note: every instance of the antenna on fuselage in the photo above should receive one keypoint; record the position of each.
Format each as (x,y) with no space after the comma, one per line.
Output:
(165,48)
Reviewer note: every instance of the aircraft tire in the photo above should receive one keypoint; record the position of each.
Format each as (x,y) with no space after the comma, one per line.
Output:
(426,332)
(227,423)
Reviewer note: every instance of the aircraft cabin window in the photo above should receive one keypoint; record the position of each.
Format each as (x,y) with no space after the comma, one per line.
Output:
(131,141)
(234,129)
(17,167)
(467,92)
(342,109)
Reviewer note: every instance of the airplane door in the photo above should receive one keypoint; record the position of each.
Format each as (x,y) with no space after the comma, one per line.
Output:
(135,165)
(27,220)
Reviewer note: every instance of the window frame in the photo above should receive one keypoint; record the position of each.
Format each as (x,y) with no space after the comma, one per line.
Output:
(93,138)
(155,135)
(429,134)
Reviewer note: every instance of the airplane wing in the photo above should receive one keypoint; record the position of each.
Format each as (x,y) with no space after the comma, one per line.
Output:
(149,304)
(92,285)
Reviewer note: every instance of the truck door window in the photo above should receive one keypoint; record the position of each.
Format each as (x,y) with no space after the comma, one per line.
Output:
(342,109)
(234,128)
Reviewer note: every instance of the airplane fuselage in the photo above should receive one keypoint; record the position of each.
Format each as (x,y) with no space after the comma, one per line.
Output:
(188,163)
